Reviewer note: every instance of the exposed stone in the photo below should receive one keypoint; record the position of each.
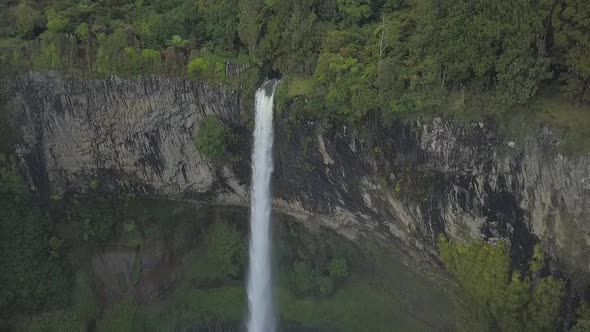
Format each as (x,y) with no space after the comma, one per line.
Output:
(428,176)
(134,134)
(327,159)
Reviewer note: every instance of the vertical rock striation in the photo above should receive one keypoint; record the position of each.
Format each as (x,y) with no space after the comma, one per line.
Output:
(135,135)
(406,183)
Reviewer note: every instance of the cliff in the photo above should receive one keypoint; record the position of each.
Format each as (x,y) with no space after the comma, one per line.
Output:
(132,135)
(406,182)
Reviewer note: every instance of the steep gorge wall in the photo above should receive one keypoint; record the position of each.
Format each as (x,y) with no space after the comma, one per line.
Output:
(405,183)
(417,179)
(132,135)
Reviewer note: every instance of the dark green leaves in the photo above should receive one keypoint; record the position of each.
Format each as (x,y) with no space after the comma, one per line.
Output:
(213,138)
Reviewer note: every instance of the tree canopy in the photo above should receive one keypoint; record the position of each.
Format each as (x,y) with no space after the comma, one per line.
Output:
(364,56)
(515,301)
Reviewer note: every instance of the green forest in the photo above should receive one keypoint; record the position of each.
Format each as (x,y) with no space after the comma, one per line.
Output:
(348,58)
(341,62)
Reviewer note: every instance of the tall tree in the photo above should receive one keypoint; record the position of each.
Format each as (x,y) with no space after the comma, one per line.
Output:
(250,24)
(571,20)
(220,22)
(291,36)
(26,19)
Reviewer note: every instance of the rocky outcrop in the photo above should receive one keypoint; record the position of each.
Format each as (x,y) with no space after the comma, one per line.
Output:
(406,183)
(413,180)
(133,135)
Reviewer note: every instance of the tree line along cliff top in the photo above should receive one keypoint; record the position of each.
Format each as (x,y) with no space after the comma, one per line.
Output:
(346,58)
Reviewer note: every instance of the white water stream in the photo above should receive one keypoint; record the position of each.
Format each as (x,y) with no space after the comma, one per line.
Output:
(260,297)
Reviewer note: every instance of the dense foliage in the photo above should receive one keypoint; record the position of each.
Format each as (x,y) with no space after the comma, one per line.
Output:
(311,265)
(76,318)
(357,57)
(32,279)
(343,61)
(213,138)
(527,302)
(47,284)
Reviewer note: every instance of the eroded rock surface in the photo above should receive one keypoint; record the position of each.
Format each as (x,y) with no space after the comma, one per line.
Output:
(134,135)
(406,183)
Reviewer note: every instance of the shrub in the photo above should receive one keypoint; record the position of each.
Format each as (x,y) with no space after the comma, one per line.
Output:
(483,269)
(151,60)
(538,259)
(582,319)
(213,138)
(56,23)
(136,63)
(109,57)
(206,67)
(516,303)
(132,61)
(226,249)
(177,42)
(197,66)
(83,32)
(26,18)
(11,180)
(120,318)
(222,258)
(302,278)
(326,285)
(94,220)
(95,184)
(62,320)
(31,281)
(545,307)
(84,301)
(48,57)
(338,269)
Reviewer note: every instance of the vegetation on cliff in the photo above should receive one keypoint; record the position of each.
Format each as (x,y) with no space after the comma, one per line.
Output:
(516,301)
(343,61)
(213,139)
(32,279)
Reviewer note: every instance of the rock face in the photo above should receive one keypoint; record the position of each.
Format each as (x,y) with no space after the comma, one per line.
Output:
(407,183)
(414,180)
(134,135)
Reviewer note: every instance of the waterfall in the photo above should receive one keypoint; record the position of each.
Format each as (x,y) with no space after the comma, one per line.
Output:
(260,297)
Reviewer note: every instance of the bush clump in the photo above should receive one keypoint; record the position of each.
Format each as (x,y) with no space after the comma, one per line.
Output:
(32,279)
(209,67)
(226,249)
(213,138)
(514,302)
(308,279)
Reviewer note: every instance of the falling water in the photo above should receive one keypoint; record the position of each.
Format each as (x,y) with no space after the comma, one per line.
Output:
(260,296)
